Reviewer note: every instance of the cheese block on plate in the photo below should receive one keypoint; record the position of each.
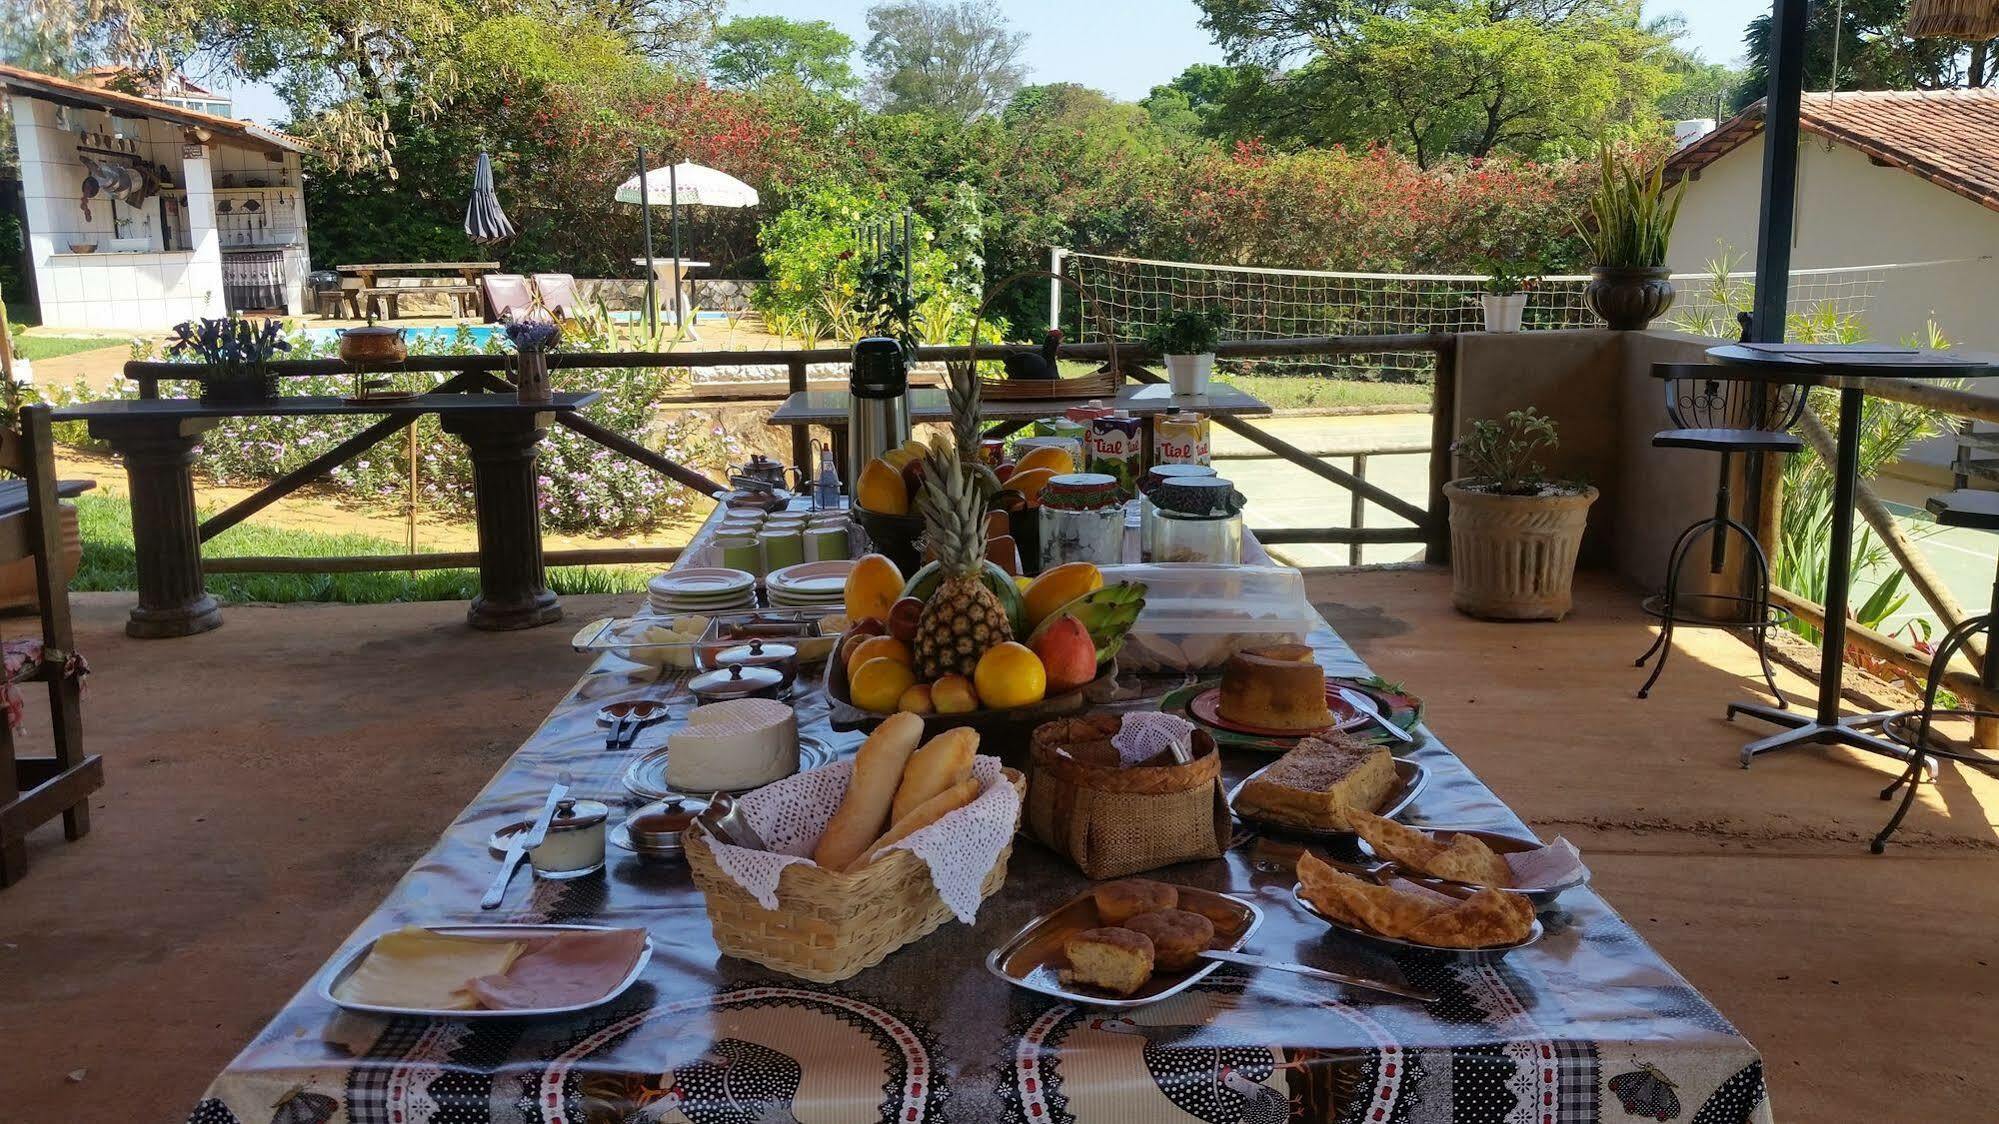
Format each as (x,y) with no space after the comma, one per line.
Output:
(414,967)
(736,744)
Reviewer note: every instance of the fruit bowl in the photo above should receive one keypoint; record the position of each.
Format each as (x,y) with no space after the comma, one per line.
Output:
(1005,730)
(897,536)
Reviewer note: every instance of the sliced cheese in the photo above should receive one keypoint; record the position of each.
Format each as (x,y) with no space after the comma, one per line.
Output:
(740,743)
(414,967)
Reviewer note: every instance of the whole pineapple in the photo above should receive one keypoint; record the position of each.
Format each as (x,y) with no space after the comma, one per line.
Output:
(963,619)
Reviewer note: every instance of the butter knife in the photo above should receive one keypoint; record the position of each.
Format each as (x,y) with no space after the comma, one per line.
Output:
(520,845)
(1320,974)
(1366,706)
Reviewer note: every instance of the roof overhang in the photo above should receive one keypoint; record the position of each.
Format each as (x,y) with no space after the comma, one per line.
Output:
(206,127)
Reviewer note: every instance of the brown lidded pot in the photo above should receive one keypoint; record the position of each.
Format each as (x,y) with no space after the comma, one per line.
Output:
(373,344)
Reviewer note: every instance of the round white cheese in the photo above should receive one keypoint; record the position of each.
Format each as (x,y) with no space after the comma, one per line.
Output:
(740,743)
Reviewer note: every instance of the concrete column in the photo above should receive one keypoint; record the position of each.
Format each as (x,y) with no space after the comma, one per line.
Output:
(205,266)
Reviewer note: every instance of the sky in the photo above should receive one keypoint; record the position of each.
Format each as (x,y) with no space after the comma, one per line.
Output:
(1123,47)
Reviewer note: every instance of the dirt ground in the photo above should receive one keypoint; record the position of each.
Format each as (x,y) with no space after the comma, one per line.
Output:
(267,782)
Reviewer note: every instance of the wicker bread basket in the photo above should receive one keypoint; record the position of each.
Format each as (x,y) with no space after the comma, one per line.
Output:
(1101,383)
(1112,821)
(829,926)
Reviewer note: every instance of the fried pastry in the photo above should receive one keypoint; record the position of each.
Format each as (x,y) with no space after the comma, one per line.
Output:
(1409,912)
(1178,937)
(1118,902)
(1320,783)
(1464,859)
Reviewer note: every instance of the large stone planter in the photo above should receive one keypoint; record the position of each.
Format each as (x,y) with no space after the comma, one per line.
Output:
(1628,299)
(1513,558)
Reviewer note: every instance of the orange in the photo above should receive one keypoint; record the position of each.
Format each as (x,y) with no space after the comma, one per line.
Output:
(1010,675)
(880,489)
(1056,587)
(879,648)
(873,585)
(1046,456)
(878,685)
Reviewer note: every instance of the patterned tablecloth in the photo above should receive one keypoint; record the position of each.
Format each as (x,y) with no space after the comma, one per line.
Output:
(1589,1024)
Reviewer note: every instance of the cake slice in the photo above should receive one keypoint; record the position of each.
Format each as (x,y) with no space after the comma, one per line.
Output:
(1319,783)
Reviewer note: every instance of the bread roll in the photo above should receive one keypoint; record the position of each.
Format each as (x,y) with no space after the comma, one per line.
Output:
(942,762)
(1118,902)
(864,810)
(920,817)
(1178,937)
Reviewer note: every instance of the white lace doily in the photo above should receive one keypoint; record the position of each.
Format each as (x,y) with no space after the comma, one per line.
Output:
(792,813)
(1145,734)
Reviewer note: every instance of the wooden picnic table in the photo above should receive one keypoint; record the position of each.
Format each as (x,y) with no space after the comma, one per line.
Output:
(370,274)
(807,408)
(157,439)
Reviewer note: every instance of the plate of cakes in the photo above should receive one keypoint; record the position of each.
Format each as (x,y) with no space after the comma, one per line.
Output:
(1125,943)
(1271,696)
(1321,785)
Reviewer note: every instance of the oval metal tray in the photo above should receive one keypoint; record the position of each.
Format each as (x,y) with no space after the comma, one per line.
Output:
(1410,773)
(1032,959)
(1534,934)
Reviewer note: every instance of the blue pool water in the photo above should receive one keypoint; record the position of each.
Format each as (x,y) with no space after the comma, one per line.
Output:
(438,335)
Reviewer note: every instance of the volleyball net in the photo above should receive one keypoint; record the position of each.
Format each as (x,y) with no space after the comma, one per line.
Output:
(1827,305)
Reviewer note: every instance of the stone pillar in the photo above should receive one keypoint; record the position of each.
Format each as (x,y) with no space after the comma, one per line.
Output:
(513,583)
(159,460)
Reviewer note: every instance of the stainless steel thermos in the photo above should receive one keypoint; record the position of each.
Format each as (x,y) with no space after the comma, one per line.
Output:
(877,403)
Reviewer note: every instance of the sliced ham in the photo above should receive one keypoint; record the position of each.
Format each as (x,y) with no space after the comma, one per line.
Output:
(562,971)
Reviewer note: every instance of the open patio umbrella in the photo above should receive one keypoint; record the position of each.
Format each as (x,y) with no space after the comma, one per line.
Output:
(671,186)
(485,222)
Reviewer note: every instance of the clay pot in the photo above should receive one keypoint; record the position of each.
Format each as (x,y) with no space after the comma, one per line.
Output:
(1628,299)
(372,344)
(1513,558)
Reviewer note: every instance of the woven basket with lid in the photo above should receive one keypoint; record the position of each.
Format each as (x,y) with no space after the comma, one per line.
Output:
(1112,821)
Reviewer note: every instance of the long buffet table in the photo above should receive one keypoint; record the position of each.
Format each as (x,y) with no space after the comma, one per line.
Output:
(1589,1024)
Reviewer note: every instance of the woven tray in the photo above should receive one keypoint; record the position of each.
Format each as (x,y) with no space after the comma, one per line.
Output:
(1103,383)
(1112,821)
(829,926)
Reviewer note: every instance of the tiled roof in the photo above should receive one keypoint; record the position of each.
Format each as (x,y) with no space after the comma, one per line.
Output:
(1948,137)
(65,92)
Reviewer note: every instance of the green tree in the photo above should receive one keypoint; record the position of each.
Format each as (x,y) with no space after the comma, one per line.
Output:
(1223,102)
(750,50)
(1873,53)
(955,60)
(1439,77)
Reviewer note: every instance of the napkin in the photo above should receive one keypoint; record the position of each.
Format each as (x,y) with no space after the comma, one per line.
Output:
(1556,866)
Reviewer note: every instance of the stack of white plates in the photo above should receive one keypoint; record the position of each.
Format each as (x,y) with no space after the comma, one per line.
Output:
(811,585)
(701,589)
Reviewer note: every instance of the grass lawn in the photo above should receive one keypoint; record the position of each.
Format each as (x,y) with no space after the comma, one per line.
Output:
(105,525)
(1305,391)
(37,348)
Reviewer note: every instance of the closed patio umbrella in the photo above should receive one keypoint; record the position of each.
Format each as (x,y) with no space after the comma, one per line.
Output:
(485,222)
(692,184)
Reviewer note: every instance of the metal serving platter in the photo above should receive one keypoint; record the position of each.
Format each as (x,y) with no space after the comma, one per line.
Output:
(345,965)
(646,777)
(1489,951)
(1033,959)
(1410,775)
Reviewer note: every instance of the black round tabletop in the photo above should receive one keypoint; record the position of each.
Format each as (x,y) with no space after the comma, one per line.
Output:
(1807,362)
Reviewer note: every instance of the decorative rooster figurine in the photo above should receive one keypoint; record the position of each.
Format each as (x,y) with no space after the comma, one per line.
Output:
(1029,365)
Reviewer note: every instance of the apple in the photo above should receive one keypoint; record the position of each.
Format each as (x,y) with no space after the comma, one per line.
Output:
(912,479)
(903,617)
(916,700)
(1004,472)
(1067,653)
(953,694)
(861,630)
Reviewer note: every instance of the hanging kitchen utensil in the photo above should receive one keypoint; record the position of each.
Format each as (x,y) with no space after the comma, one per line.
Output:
(253,206)
(90,189)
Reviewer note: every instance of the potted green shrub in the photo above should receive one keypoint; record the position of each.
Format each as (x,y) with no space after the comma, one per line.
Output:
(1185,338)
(1514,532)
(1505,291)
(1631,221)
(238,353)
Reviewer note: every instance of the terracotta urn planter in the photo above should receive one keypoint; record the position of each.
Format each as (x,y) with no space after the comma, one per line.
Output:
(1513,558)
(1628,298)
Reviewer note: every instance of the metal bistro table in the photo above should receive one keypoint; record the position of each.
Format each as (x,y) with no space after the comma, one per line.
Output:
(927,404)
(1587,1026)
(157,439)
(1849,368)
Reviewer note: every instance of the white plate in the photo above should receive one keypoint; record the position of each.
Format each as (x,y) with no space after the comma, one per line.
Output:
(829,576)
(344,966)
(646,777)
(700,580)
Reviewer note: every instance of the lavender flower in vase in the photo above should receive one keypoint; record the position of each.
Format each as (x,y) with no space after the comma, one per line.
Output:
(533,333)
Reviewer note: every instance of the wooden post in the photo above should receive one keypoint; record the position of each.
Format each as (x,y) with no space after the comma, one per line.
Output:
(801,436)
(7,360)
(1357,512)
(1443,430)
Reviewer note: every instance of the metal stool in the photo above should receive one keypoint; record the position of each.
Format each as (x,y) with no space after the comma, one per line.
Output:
(1713,411)
(1966,508)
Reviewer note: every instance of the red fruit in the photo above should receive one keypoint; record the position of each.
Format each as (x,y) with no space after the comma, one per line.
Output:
(1068,655)
(912,479)
(1004,471)
(903,617)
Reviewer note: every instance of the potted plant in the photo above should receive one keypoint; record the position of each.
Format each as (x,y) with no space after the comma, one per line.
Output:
(1631,221)
(1186,339)
(1506,287)
(1514,533)
(532,333)
(238,353)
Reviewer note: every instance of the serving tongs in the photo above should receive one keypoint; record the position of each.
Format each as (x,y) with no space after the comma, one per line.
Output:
(724,821)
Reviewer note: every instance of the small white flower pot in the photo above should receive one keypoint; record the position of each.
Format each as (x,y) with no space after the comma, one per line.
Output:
(1503,311)
(1189,374)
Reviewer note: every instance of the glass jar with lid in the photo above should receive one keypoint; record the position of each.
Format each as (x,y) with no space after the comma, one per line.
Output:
(1082,520)
(1150,482)
(1199,519)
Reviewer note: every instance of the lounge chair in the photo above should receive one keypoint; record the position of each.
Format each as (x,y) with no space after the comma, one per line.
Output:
(558,294)
(506,293)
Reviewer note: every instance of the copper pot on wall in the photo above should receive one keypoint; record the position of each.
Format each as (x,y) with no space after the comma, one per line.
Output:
(373,345)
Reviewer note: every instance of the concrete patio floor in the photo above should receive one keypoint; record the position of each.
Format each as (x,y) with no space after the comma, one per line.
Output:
(267,782)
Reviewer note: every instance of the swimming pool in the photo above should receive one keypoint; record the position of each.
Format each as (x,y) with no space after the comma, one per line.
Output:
(475,335)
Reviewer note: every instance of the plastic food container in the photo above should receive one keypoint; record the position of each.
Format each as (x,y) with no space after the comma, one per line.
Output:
(1198,615)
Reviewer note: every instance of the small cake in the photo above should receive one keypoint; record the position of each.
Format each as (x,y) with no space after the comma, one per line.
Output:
(735,744)
(1319,783)
(1178,937)
(1115,960)
(1118,902)
(1278,687)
